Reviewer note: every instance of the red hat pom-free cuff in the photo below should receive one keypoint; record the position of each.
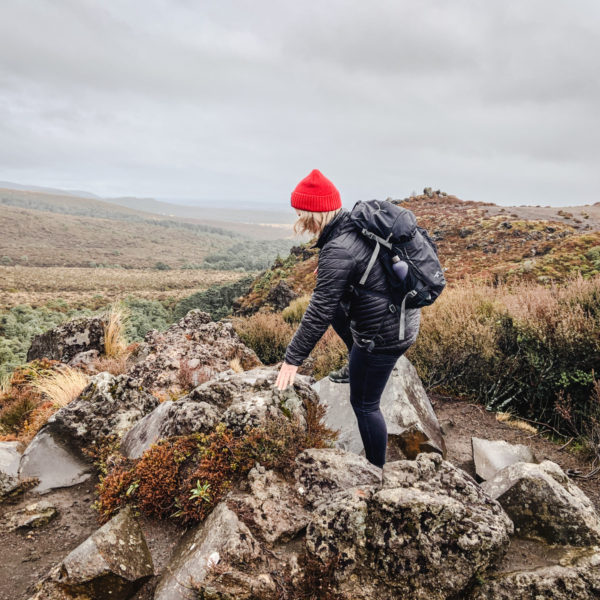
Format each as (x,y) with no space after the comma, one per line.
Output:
(316,193)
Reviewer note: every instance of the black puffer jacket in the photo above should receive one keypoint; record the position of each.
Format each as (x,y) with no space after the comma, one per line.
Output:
(343,258)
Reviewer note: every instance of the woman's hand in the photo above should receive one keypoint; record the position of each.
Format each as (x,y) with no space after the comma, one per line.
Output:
(286,376)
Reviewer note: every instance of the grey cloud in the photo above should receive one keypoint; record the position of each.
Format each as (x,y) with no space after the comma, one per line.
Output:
(493,101)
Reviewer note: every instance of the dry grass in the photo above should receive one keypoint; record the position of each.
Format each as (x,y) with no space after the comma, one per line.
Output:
(515,423)
(80,286)
(236,365)
(115,366)
(61,387)
(115,343)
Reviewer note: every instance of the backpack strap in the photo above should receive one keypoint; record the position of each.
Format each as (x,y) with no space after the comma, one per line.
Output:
(378,241)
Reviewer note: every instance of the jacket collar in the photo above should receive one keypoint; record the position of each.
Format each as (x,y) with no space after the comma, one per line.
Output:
(329,229)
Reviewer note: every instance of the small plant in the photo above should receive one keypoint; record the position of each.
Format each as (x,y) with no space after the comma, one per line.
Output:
(201,492)
(266,333)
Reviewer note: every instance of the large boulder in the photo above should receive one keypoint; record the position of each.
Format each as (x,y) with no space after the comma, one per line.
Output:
(429,529)
(108,405)
(490,456)
(190,351)
(576,578)
(411,421)
(180,417)
(65,341)
(239,400)
(543,502)
(53,463)
(221,540)
(112,563)
(321,472)
(271,506)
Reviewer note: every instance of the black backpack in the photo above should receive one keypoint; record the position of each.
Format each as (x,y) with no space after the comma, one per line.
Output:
(393,230)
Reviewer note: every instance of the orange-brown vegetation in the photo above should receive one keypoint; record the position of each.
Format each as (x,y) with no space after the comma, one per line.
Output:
(24,407)
(184,477)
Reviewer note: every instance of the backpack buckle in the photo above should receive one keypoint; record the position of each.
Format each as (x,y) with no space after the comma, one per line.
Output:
(392,308)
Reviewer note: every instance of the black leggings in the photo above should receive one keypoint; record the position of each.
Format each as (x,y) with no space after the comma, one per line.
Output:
(369,372)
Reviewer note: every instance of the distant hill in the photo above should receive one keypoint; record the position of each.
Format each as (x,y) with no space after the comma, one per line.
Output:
(476,241)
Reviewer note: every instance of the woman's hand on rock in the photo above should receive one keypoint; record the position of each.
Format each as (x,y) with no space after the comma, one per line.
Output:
(286,376)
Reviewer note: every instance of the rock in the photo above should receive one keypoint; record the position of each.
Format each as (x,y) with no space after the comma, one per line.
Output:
(272,507)
(221,539)
(322,472)
(239,400)
(108,405)
(195,337)
(542,502)
(9,468)
(430,529)
(180,417)
(65,341)
(465,232)
(506,224)
(51,461)
(112,563)
(412,424)
(10,457)
(33,516)
(280,296)
(575,579)
(490,456)
(85,361)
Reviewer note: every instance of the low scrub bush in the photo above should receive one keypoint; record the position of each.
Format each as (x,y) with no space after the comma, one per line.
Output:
(266,333)
(518,348)
(293,313)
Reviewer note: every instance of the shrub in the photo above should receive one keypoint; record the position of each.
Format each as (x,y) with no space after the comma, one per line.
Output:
(266,333)
(293,313)
(517,348)
(329,354)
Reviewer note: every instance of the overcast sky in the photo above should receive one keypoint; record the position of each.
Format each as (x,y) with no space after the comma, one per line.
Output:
(237,101)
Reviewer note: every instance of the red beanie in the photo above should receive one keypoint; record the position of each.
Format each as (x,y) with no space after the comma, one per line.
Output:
(316,194)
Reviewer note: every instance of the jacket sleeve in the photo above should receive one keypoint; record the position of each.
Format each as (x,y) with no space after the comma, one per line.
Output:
(334,276)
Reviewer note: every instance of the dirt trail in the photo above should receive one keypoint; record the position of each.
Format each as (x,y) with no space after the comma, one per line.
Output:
(27,556)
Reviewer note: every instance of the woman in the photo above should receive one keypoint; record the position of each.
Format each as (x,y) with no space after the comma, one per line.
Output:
(364,321)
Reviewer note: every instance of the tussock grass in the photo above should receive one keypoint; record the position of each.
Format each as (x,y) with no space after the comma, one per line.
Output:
(236,365)
(61,387)
(115,343)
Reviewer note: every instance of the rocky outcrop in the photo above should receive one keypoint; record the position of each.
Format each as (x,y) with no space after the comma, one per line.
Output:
(191,351)
(411,421)
(239,400)
(108,406)
(490,456)
(65,341)
(429,529)
(112,563)
(576,578)
(542,501)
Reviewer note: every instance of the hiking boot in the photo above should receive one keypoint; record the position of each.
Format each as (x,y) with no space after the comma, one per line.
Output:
(341,375)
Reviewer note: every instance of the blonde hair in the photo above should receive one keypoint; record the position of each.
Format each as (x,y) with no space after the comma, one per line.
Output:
(313,222)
